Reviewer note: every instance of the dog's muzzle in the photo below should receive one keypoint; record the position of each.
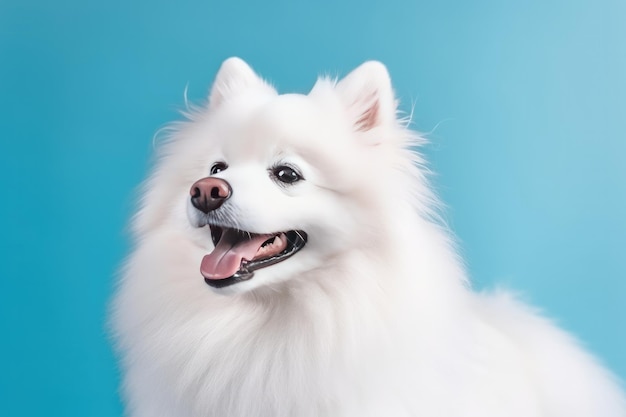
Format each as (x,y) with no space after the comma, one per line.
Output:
(237,254)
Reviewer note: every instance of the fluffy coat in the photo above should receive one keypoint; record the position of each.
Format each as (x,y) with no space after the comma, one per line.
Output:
(373,317)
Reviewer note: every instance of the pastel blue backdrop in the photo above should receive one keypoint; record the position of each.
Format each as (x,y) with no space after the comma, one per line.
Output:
(524,103)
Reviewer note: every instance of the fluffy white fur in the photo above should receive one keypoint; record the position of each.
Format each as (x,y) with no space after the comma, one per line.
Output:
(373,317)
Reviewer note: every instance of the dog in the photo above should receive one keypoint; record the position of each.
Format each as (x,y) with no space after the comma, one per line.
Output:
(289,260)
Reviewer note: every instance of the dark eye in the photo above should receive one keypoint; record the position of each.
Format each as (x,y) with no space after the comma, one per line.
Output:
(218,167)
(286,174)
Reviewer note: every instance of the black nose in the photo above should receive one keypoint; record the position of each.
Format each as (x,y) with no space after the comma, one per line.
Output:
(209,193)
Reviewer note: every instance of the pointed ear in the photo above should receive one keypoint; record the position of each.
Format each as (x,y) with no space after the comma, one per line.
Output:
(367,95)
(234,77)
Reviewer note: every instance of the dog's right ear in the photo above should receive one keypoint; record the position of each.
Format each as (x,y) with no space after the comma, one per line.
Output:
(368,96)
(234,77)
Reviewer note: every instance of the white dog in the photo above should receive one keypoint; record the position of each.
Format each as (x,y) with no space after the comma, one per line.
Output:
(332,288)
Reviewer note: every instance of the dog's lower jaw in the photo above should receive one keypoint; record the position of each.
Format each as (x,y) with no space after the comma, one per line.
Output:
(275,248)
(239,276)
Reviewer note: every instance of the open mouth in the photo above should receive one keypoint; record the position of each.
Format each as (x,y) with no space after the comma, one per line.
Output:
(238,253)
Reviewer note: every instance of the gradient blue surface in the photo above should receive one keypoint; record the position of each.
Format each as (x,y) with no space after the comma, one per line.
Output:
(525,103)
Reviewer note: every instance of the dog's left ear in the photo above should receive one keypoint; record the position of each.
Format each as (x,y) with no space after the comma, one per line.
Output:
(233,78)
(368,96)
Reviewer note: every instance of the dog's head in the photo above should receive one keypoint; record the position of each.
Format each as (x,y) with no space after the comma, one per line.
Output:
(272,187)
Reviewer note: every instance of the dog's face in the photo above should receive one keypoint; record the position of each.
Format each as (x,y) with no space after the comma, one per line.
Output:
(281,185)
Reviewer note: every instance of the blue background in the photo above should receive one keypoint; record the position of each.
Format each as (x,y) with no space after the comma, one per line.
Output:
(524,102)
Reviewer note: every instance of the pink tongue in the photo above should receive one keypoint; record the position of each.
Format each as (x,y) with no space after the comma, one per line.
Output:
(226,258)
